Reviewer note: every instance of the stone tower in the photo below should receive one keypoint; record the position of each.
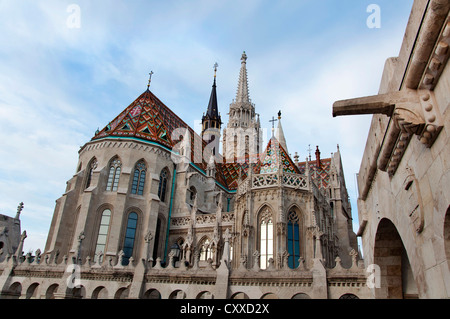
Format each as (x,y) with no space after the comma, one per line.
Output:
(242,136)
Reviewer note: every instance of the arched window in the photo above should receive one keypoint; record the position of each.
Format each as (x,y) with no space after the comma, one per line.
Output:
(266,238)
(130,235)
(192,194)
(92,166)
(114,174)
(103,232)
(137,187)
(163,185)
(293,233)
(156,242)
(205,250)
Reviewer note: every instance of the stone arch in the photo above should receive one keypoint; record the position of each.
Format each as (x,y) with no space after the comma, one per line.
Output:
(122,293)
(32,291)
(51,291)
(269,295)
(14,291)
(240,295)
(78,292)
(100,293)
(205,295)
(301,296)
(447,236)
(152,294)
(177,294)
(349,296)
(390,255)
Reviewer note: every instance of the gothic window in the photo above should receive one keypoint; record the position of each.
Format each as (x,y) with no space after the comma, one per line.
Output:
(92,166)
(103,232)
(156,242)
(137,186)
(192,193)
(163,185)
(205,250)
(114,174)
(266,238)
(130,235)
(293,233)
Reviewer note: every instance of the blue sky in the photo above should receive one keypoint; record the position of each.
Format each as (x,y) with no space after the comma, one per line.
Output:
(59,84)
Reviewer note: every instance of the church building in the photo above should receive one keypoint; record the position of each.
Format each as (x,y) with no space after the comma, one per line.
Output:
(156,210)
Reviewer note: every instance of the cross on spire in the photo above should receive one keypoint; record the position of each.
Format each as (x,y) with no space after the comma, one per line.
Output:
(149,79)
(215,69)
(309,151)
(273,120)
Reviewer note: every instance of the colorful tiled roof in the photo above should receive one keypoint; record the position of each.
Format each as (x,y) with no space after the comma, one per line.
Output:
(323,171)
(149,119)
(273,154)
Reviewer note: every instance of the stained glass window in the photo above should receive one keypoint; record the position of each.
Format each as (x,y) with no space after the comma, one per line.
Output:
(205,250)
(130,235)
(162,185)
(91,168)
(137,187)
(103,232)
(114,174)
(266,239)
(293,232)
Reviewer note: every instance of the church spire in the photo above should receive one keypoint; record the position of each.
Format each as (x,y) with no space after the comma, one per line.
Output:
(242,94)
(213,111)
(211,122)
(280,134)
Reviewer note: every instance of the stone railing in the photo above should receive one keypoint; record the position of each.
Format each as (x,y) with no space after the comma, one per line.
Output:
(203,219)
(274,179)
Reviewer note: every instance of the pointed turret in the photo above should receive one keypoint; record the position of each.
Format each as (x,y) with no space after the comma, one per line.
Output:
(242,95)
(212,113)
(280,134)
(243,127)
(211,122)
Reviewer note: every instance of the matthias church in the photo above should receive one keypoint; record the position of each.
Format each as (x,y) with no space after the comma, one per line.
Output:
(156,210)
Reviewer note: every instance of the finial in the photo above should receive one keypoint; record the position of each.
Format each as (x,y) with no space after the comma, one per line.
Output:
(244,57)
(149,79)
(215,69)
(309,151)
(19,210)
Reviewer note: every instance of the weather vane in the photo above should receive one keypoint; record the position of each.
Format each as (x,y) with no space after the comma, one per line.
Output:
(149,79)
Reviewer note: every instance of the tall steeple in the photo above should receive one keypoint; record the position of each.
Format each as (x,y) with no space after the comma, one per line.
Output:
(279,135)
(242,135)
(211,122)
(242,95)
(213,112)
